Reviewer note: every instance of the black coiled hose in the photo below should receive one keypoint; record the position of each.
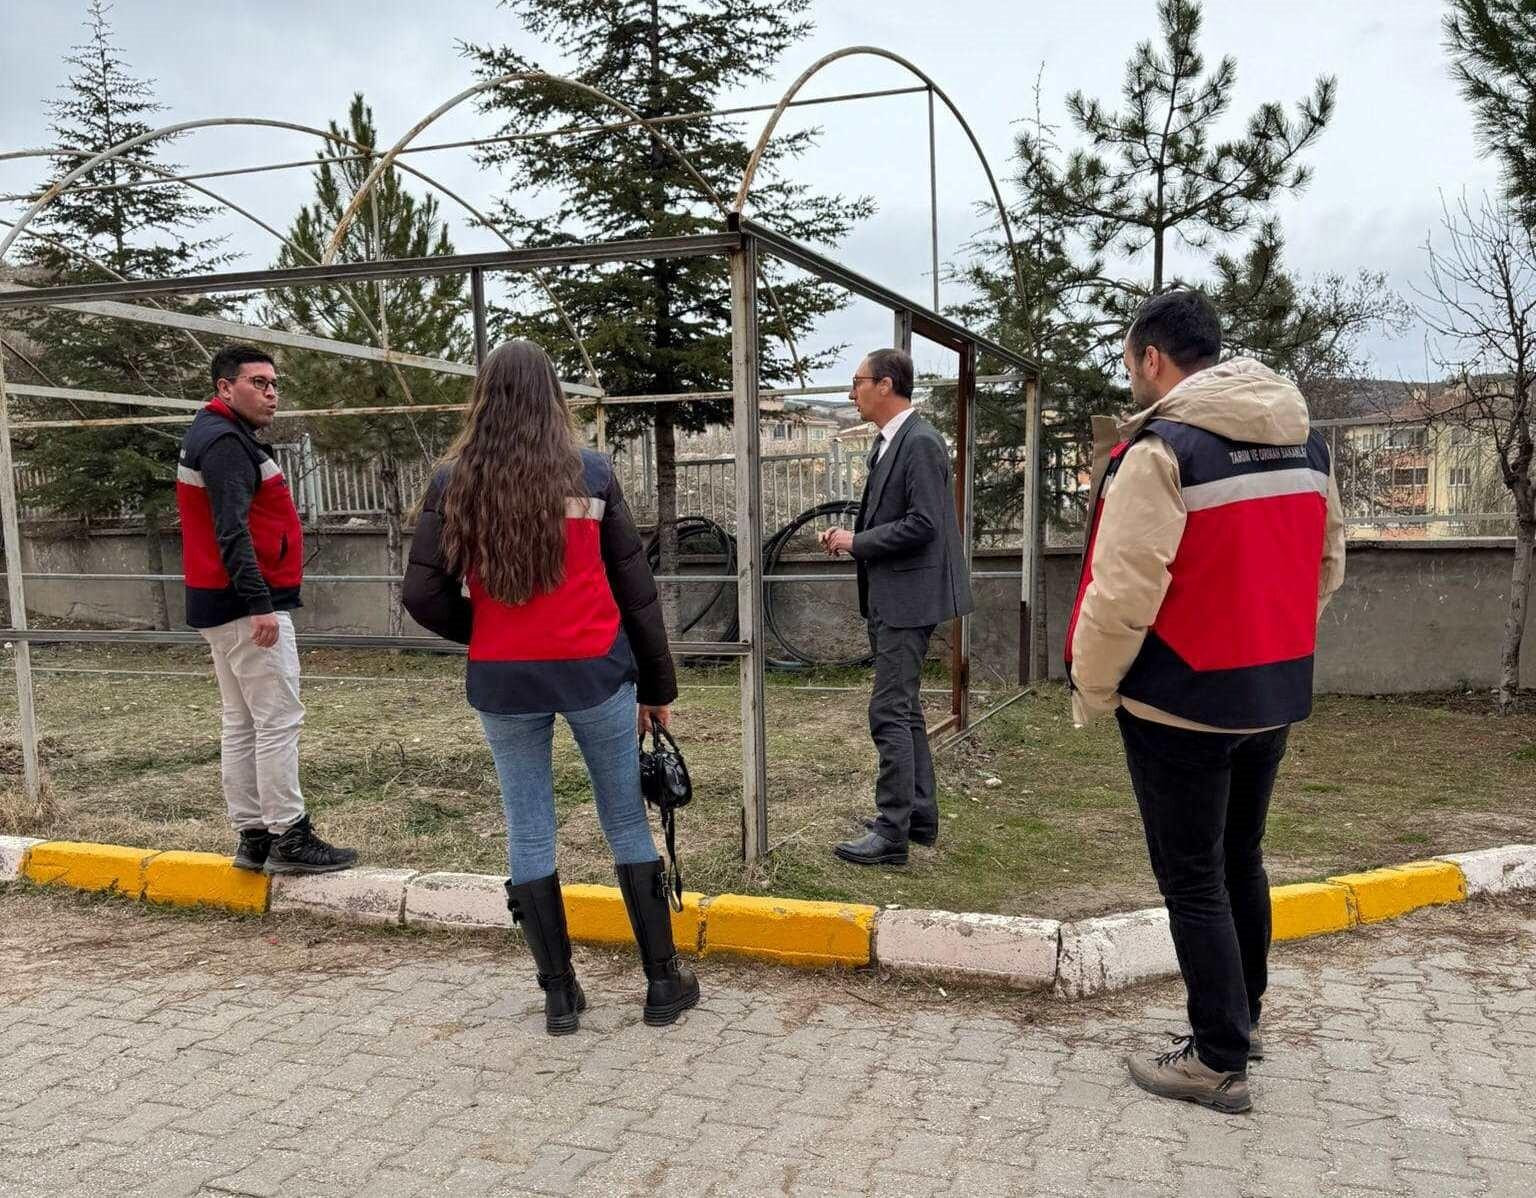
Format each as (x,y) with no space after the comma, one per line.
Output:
(772,551)
(702,535)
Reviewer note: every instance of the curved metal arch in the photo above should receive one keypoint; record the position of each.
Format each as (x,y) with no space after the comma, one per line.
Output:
(453,102)
(223,201)
(131,143)
(815,68)
(230,204)
(105,269)
(649,125)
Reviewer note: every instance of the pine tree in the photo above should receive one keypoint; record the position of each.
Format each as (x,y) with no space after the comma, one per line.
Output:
(655,327)
(1051,321)
(1097,225)
(413,315)
(1154,171)
(137,232)
(1492,44)
(1309,332)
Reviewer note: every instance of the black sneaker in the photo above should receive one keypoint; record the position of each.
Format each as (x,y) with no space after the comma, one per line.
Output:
(300,851)
(251,852)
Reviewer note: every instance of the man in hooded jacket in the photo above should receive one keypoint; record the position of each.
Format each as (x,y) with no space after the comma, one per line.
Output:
(1215,541)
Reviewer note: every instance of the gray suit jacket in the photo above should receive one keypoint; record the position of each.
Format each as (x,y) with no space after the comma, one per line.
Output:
(906,541)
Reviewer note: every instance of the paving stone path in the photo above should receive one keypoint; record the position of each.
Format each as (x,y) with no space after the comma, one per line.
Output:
(158,1054)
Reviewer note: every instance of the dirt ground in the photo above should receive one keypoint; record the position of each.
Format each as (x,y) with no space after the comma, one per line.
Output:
(1038,817)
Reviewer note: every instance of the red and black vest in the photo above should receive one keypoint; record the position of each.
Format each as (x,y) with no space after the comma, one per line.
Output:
(276,534)
(562,650)
(1233,642)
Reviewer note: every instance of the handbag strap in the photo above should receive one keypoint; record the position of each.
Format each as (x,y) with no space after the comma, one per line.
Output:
(672,883)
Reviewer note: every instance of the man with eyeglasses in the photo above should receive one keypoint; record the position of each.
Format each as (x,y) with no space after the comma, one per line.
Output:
(912,577)
(242,553)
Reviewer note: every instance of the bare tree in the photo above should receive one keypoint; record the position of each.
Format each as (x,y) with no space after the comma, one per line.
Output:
(1481,305)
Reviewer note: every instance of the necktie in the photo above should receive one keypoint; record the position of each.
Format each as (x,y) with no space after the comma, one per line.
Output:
(874,450)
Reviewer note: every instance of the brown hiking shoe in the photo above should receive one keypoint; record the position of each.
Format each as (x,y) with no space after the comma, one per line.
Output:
(1181,1074)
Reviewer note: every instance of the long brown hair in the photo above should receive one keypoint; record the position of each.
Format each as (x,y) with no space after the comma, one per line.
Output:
(514,464)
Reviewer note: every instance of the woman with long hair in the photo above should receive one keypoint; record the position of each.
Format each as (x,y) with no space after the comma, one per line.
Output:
(526,552)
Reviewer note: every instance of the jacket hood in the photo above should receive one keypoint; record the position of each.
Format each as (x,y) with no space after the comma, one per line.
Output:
(1240,399)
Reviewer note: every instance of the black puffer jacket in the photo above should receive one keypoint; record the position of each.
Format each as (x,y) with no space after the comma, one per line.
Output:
(568,649)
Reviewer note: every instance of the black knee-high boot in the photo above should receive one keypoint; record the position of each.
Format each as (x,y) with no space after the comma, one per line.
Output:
(538,908)
(671,987)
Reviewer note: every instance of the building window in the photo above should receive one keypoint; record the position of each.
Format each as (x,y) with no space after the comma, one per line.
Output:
(1461,476)
(1410,476)
(1406,438)
(818,434)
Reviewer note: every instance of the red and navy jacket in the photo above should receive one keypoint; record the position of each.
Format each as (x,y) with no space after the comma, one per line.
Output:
(1233,642)
(564,650)
(242,546)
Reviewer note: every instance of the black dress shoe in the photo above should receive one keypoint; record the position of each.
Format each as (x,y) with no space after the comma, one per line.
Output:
(872,849)
(927,837)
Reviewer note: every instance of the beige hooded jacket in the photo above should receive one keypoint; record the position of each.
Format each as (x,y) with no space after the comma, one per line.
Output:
(1143,522)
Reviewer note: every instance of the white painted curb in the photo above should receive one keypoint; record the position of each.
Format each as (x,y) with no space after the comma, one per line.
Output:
(366,894)
(1115,951)
(456,901)
(1013,950)
(13,851)
(1496,871)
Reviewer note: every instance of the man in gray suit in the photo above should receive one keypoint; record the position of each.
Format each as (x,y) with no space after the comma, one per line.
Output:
(913,576)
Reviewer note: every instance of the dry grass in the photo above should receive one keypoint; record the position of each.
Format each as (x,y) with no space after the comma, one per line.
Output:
(397,766)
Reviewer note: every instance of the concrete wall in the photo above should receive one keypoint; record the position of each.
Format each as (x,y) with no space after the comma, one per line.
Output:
(1411,615)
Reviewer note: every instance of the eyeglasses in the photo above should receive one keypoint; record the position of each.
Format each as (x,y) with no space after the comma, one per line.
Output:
(864,378)
(262,384)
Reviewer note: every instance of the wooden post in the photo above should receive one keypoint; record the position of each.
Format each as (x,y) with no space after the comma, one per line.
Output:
(902,336)
(9,525)
(749,550)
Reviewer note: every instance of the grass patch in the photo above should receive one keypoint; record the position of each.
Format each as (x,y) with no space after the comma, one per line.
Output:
(1038,816)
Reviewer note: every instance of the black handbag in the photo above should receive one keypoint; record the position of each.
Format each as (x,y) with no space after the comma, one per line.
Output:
(665,784)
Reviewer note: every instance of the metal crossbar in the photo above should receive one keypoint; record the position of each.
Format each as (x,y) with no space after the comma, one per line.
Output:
(579,254)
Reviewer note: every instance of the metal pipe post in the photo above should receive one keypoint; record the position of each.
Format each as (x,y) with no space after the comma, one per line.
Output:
(477,298)
(25,710)
(933,200)
(749,550)
(1031,566)
(965,487)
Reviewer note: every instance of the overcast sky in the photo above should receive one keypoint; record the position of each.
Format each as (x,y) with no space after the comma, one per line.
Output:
(1402,135)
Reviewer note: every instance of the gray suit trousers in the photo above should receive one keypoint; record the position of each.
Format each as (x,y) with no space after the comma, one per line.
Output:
(904,788)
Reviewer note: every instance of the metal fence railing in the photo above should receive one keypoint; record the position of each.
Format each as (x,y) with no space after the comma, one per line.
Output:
(327,490)
(1396,480)
(792,483)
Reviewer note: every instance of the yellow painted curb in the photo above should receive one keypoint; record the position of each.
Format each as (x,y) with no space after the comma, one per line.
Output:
(1387,893)
(1310,909)
(789,931)
(596,915)
(204,879)
(88,866)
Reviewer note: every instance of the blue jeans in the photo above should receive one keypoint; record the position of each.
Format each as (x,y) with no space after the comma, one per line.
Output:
(605,734)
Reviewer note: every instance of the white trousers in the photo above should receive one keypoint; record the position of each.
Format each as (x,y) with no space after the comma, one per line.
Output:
(262,718)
